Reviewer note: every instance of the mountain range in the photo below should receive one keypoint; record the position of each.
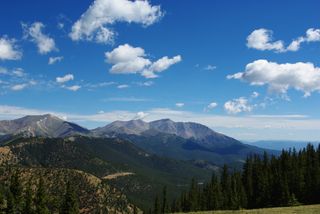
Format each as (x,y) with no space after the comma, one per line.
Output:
(166,138)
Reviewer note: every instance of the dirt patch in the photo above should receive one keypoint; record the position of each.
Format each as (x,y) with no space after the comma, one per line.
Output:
(116,175)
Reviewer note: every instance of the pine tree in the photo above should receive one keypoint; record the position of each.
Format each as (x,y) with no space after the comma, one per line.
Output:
(157,208)
(226,188)
(215,196)
(193,196)
(2,202)
(11,207)
(164,205)
(16,189)
(286,180)
(28,200)
(70,202)
(41,198)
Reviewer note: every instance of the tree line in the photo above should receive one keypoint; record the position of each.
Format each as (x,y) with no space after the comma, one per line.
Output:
(16,199)
(292,178)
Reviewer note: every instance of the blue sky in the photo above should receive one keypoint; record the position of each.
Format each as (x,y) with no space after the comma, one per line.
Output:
(249,69)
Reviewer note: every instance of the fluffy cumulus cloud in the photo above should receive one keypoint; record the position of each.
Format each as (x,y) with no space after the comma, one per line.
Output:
(8,49)
(279,78)
(53,60)
(94,24)
(65,78)
(312,35)
(261,39)
(126,59)
(35,33)
(238,105)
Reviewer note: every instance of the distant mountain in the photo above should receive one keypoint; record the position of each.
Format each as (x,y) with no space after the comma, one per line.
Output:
(179,140)
(41,126)
(282,144)
(202,134)
(136,127)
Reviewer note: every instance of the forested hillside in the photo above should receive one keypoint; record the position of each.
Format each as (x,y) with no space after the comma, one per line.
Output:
(292,178)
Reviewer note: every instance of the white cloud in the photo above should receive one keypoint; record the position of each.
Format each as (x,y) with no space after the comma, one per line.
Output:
(236,106)
(94,24)
(160,65)
(312,35)
(123,86)
(131,60)
(301,76)
(44,43)
(19,87)
(212,105)
(255,94)
(9,50)
(210,67)
(180,105)
(73,88)
(65,78)
(261,39)
(53,60)
(127,59)
(140,115)
(22,86)
(164,63)
(295,44)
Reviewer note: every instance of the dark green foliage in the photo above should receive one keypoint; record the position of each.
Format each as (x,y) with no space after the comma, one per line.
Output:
(11,207)
(41,198)
(157,207)
(164,205)
(287,180)
(2,202)
(70,202)
(28,204)
(16,189)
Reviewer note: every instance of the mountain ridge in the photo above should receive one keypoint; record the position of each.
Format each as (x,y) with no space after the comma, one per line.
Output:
(186,141)
(46,125)
(186,130)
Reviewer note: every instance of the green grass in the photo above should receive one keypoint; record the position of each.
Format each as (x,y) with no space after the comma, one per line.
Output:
(309,209)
